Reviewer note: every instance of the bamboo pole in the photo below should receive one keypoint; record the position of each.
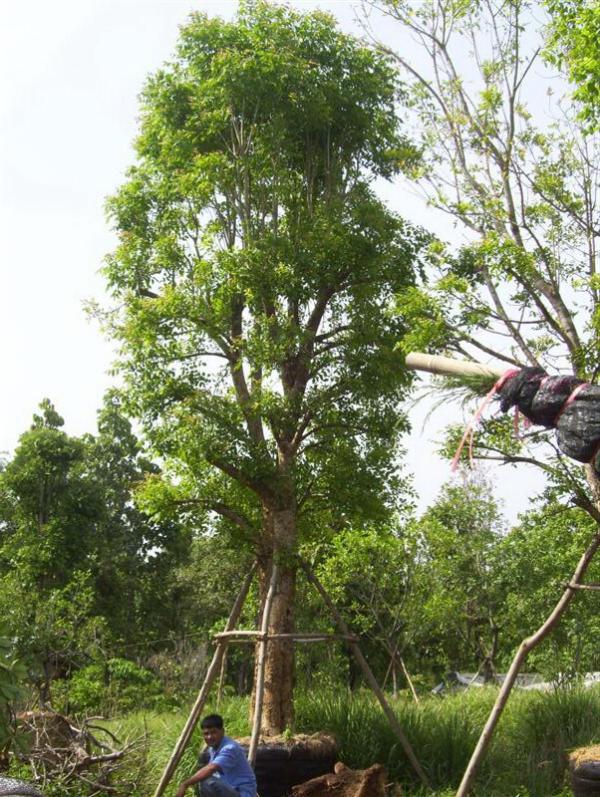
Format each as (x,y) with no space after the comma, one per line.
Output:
(211,674)
(371,680)
(260,667)
(448,366)
(396,657)
(408,680)
(222,674)
(592,587)
(253,636)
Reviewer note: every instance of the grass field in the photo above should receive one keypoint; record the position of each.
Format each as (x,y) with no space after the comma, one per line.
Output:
(527,757)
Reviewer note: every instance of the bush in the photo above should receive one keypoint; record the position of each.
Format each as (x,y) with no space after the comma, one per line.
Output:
(116,686)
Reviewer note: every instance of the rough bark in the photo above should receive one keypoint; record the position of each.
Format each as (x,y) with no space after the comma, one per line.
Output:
(279,542)
(345,782)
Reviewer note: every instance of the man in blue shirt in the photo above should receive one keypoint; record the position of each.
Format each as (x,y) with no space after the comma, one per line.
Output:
(228,773)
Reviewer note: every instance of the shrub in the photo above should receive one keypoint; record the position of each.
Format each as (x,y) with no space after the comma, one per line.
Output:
(116,686)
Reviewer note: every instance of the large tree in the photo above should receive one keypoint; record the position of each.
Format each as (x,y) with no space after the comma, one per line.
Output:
(254,274)
(525,289)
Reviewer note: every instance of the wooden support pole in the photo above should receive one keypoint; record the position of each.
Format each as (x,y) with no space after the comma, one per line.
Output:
(592,587)
(395,657)
(371,680)
(222,674)
(211,674)
(253,636)
(260,666)
(408,680)
(447,366)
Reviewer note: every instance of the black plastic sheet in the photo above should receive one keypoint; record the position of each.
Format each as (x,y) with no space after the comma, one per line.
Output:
(565,403)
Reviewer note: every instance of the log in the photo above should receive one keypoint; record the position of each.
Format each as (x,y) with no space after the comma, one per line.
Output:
(447,366)
(345,782)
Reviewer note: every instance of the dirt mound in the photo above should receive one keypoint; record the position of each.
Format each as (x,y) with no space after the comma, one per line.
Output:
(316,745)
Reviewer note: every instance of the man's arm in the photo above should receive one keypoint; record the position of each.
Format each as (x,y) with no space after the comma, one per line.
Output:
(201,774)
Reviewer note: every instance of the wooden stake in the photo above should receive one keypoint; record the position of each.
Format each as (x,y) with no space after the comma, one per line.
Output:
(371,680)
(253,636)
(592,587)
(211,674)
(408,680)
(222,673)
(260,667)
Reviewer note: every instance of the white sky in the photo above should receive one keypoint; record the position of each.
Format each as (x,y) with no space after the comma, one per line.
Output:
(70,73)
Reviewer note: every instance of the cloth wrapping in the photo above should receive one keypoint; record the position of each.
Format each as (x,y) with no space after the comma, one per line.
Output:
(565,403)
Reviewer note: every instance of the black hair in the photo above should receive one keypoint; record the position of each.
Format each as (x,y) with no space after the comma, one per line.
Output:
(212,721)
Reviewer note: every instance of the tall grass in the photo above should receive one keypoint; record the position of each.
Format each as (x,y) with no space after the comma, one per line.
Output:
(158,734)
(527,757)
(442,732)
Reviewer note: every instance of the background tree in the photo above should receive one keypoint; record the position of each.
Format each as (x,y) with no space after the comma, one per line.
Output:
(49,509)
(456,602)
(573,45)
(368,573)
(83,571)
(532,563)
(255,270)
(524,290)
(135,555)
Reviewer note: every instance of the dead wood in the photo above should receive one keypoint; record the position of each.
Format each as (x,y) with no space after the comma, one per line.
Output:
(345,782)
(57,749)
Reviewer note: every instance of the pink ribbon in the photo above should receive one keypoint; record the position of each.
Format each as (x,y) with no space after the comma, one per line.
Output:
(470,428)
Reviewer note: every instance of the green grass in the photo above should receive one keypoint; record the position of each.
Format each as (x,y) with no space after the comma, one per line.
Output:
(161,732)
(526,759)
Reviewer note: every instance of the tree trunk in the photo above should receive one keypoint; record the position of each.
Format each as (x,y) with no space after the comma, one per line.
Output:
(279,541)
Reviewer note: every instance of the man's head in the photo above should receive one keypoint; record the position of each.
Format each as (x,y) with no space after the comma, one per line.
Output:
(212,729)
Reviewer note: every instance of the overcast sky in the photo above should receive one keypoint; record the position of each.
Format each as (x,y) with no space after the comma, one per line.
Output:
(71,71)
